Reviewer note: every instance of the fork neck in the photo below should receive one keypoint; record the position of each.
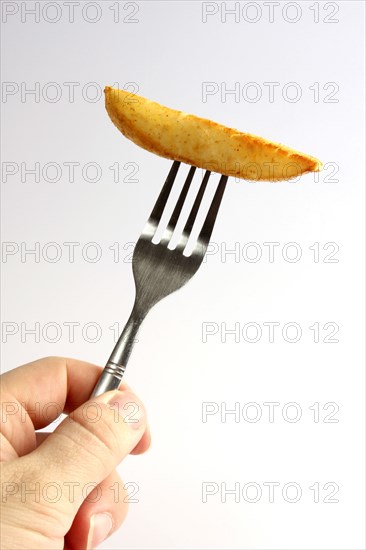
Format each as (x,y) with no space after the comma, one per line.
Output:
(123,348)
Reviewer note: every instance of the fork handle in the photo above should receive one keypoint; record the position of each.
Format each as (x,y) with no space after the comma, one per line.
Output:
(111,377)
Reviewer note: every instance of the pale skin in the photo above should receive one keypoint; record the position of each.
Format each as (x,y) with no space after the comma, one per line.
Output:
(53,485)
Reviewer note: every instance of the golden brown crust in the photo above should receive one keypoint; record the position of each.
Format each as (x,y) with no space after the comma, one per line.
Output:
(203,143)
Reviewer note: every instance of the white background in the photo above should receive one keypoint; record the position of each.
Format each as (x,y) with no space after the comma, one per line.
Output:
(169,53)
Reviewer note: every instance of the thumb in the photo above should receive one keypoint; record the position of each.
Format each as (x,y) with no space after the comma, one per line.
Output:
(85,448)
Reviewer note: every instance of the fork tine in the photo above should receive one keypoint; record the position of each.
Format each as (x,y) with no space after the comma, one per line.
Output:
(158,209)
(182,197)
(193,214)
(178,208)
(208,225)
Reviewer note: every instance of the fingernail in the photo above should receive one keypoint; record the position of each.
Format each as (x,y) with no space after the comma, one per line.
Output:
(100,527)
(126,404)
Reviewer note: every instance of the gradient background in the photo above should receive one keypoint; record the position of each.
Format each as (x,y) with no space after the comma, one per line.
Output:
(168,52)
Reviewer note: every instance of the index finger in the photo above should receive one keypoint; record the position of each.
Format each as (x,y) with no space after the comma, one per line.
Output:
(47,387)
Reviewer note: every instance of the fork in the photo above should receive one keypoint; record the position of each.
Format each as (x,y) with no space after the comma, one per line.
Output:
(158,270)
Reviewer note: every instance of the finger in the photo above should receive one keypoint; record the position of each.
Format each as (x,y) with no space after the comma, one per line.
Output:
(141,447)
(84,449)
(144,444)
(49,386)
(35,394)
(109,497)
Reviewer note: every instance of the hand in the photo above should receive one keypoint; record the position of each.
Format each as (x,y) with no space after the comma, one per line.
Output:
(59,490)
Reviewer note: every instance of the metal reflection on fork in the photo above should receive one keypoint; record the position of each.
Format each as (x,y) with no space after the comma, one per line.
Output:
(158,270)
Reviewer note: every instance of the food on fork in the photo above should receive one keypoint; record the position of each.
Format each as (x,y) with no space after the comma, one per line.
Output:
(198,141)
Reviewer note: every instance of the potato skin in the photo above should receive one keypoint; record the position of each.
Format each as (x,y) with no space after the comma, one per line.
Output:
(198,141)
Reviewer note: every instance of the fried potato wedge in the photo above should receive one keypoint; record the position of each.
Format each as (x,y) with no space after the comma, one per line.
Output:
(198,141)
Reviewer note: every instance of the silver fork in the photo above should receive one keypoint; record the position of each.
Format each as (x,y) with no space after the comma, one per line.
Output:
(158,270)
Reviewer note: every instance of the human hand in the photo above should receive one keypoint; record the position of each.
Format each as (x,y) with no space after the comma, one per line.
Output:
(45,478)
